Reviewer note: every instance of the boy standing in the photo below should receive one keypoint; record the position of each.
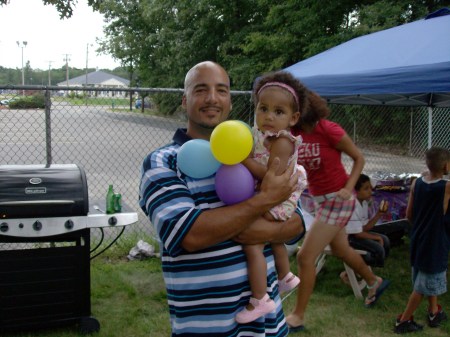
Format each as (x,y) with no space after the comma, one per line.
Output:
(428,211)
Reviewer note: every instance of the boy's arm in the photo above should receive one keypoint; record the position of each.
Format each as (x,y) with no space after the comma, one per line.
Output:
(369,236)
(381,210)
(446,197)
(409,211)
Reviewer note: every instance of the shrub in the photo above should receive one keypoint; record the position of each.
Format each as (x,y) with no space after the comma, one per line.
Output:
(37,101)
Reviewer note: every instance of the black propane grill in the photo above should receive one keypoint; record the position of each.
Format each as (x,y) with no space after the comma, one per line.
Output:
(46,207)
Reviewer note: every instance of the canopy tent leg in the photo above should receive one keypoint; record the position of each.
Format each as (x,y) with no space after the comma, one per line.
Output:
(430,126)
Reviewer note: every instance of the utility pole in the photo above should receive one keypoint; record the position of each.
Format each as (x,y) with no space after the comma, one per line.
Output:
(67,59)
(49,70)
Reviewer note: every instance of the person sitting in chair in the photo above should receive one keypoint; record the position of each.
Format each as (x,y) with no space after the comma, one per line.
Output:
(360,228)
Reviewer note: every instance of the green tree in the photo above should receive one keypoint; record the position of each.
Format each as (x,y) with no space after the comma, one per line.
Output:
(64,7)
(159,40)
(162,39)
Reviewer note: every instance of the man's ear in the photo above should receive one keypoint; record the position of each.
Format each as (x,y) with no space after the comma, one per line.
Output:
(183,102)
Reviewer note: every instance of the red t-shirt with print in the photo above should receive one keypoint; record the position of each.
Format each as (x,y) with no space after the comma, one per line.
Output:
(321,159)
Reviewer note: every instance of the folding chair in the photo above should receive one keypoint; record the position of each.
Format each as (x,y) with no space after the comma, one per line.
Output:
(357,286)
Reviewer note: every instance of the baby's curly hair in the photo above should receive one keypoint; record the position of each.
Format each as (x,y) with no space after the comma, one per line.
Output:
(286,78)
(312,107)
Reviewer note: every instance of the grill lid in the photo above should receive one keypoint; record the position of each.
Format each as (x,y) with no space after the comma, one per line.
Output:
(43,191)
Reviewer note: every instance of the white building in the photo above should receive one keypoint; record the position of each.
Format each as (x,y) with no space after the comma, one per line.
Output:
(98,79)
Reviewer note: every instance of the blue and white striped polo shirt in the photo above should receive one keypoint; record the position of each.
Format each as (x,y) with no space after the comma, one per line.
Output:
(207,288)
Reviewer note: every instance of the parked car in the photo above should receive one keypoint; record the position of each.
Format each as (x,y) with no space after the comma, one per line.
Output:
(138,103)
(6,101)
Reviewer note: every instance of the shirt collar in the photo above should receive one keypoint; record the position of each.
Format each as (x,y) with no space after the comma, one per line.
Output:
(180,137)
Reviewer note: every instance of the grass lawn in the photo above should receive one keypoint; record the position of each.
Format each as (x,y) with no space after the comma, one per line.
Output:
(128,299)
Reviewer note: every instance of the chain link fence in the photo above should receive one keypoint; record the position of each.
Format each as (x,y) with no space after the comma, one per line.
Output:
(108,132)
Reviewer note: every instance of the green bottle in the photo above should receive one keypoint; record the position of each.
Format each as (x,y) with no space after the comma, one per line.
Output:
(110,200)
(117,203)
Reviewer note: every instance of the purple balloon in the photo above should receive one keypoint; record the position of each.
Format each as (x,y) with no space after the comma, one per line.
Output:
(234,183)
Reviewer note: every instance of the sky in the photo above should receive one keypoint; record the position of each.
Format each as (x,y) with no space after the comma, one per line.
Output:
(51,40)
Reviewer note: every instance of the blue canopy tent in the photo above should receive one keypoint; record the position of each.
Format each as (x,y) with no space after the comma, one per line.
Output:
(408,65)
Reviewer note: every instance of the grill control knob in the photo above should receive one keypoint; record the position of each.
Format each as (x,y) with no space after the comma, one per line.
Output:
(68,224)
(112,221)
(4,227)
(37,225)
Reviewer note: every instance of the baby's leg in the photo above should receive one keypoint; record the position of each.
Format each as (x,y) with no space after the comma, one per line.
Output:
(281,257)
(260,303)
(280,253)
(286,280)
(257,270)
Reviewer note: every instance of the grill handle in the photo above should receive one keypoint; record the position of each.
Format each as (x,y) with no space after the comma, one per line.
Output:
(37,202)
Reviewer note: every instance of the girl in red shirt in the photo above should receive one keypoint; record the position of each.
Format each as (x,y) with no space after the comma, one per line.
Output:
(332,189)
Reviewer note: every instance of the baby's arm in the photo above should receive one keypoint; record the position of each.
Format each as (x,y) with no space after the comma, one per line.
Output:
(282,148)
(258,170)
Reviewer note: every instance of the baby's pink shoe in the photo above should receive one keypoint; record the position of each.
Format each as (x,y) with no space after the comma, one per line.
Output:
(260,308)
(289,282)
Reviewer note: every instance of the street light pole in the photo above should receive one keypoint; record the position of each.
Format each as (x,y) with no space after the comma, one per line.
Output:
(87,58)
(49,70)
(22,45)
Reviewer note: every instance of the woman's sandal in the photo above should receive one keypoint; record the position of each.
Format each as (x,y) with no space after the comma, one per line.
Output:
(297,328)
(381,287)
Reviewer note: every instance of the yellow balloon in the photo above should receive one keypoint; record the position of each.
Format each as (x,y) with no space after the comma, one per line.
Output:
(231,142)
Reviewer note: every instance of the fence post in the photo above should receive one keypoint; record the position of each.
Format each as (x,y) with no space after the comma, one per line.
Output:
(48,127)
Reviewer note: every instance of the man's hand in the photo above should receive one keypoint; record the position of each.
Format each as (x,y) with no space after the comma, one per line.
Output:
(278,188)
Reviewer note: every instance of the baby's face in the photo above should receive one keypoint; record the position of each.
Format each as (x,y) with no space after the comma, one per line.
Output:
(274,111)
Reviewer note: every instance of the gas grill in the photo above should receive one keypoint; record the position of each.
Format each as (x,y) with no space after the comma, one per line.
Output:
(46,207)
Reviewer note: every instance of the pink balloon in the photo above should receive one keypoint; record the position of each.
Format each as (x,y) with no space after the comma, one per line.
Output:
(234,183)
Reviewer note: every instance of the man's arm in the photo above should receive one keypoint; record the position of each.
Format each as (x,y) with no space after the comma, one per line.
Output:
(263,231)
(220,224)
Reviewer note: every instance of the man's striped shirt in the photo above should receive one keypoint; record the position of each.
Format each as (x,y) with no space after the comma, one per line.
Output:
(207,288)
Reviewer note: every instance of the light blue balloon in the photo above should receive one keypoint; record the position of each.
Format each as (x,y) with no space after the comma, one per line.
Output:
(196,160)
